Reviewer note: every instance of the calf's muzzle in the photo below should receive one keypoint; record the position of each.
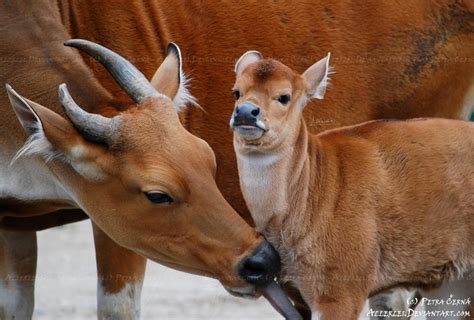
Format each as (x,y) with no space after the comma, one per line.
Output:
(247,114)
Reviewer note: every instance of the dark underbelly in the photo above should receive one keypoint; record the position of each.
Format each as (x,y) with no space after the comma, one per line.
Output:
(42,222)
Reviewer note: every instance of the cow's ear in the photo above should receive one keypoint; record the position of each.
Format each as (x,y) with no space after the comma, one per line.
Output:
(36,119)
(170,79)
(316,78)
(245,60)
(28,118)
(51,136)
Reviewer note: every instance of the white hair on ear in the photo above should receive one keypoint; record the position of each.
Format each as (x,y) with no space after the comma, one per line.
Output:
(321,90)
(37,144)
(183,96)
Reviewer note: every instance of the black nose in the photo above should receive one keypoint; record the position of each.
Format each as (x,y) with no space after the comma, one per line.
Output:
(246,114)
(262,266)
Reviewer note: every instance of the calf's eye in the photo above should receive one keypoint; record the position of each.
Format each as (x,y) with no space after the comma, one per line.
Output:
(236,94)
(159,197)
(284,99)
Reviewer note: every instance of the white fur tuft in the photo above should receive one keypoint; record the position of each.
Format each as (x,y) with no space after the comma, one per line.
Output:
(37,144)
(183,96)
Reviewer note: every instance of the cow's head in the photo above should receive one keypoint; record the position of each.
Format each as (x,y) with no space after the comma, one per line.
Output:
(144,179)
(270,98)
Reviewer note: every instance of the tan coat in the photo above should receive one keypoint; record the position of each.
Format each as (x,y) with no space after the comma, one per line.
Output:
(356,210)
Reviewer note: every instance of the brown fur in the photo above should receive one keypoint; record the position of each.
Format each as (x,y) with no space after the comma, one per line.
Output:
(113,273)
(147,156)
(359,209)
(377,50)
(150,154)
(398,61)
(265,70)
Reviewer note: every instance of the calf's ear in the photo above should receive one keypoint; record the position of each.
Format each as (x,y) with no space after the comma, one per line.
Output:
(316,78)
(246,59)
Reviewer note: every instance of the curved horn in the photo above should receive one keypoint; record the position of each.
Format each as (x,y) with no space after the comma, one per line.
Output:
(93,127)
(126,74)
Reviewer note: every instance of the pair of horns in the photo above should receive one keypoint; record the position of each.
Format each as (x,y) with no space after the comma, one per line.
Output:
(96,127)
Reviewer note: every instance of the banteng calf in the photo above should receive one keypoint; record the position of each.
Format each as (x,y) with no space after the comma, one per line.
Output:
(357,210)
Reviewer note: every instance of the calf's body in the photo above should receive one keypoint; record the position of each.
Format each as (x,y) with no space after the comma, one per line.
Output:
(357,210)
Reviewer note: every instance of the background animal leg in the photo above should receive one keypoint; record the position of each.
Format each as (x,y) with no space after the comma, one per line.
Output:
(456,296)
(120,279)
(392,300)
(18,255)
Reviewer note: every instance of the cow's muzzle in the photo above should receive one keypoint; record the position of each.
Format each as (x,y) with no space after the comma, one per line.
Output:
(262,266)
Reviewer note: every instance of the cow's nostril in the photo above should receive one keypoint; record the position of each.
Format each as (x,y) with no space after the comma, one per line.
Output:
(237,110)
(262,266)
(255,265)
(255,112)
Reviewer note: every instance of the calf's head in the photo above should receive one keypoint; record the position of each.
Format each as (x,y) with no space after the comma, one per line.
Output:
(143,178)
(270,98)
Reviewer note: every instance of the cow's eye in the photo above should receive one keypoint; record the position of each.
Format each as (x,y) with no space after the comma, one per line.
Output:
(159,197)
(236,94)
(284,99)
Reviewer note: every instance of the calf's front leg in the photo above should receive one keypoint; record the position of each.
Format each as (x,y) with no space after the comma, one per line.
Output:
(120,279)
(347,306)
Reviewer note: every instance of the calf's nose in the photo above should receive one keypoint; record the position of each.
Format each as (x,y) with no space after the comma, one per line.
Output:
(262,266)
(246,114)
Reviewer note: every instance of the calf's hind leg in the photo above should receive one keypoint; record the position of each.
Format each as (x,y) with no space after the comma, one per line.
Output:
(18,254)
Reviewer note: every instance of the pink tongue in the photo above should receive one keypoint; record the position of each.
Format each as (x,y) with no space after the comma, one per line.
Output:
(278,299)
